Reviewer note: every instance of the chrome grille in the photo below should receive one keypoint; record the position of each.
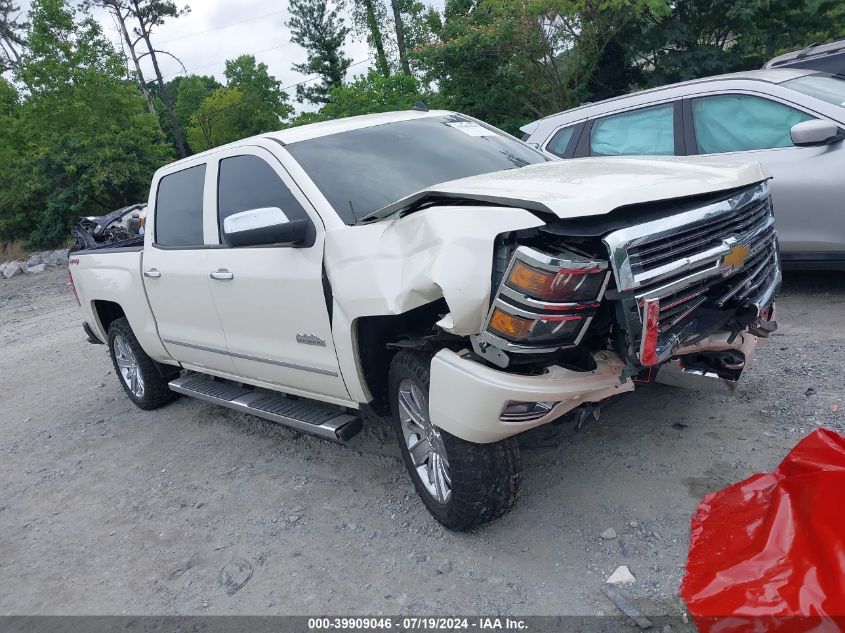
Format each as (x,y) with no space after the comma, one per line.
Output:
(698,237)
(702,266)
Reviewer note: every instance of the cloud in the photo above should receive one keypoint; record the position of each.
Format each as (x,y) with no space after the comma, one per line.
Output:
(216,30)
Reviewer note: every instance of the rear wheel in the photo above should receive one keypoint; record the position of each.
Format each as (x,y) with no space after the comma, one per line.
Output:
(462,484)
(138,374)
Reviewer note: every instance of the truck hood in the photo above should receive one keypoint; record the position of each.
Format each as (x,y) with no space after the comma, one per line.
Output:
(589,186)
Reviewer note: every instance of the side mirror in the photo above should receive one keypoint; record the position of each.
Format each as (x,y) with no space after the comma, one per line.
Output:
(262,227)
(814,132)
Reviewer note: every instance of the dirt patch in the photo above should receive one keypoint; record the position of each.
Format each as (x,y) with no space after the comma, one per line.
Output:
(108,509)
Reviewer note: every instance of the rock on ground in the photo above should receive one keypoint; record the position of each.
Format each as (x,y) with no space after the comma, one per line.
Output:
(13,268)
(622,576)
(37,263)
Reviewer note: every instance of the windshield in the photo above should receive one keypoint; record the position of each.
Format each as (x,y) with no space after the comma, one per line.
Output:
(363,170)
(830,88)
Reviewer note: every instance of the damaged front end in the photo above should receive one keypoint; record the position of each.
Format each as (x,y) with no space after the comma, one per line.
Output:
(679,293)
(697,287)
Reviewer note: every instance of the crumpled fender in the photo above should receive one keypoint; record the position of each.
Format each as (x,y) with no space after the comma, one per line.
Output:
(392,267)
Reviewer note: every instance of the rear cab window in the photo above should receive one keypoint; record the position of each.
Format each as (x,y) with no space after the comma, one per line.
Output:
(178,209)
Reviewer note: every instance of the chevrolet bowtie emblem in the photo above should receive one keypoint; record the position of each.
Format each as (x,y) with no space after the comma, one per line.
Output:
(737,256)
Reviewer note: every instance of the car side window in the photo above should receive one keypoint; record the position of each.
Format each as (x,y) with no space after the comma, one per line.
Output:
(736,123)
(178,219)
(249,182)
(649,131)
(560,141)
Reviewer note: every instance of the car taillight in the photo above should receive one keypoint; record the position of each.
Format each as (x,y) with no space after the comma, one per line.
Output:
(73,287)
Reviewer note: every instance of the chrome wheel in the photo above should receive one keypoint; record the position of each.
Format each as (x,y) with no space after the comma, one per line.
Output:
(130,372)
(424,442)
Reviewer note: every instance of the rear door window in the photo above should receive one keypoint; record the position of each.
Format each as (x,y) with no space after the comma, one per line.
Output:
(178,219)
(647,131)
(737,123)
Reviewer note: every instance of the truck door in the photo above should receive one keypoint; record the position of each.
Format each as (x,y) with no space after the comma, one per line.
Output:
(272,300)
(175,272)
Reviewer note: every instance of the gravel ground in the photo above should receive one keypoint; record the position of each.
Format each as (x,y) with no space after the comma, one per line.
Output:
(106,509)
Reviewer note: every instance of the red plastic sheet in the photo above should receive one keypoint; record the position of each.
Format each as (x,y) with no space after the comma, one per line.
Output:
(768,553)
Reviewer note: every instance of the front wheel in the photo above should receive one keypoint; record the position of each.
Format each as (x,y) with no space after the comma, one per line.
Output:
(138,374)
(462,484)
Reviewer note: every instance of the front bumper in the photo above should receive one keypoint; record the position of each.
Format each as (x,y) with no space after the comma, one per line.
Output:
(676,374)
(467,398)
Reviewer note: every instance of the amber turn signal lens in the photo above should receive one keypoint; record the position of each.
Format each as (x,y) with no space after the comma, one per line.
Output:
(566,285)
(533,282)
(511,327)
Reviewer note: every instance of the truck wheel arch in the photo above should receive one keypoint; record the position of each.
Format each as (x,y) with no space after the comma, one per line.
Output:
(107,312)
(374,353)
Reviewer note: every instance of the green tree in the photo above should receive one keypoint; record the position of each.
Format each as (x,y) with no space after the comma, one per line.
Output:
(371,93)
(509,63)
(216,121)
(190,92)
(9,99)
(370,20)
(321,32)
(11,35)
(698,38)
(82,141)
(393,34)
(253,102)
(268,104)
(375,93)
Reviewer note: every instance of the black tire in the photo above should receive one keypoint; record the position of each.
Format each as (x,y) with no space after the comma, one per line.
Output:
(155,393)
(485,478)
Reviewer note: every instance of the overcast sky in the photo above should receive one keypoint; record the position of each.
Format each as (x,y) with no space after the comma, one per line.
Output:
(217,30)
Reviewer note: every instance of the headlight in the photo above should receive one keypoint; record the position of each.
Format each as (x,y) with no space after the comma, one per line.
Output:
(537,329)
(545,302)
(563,285)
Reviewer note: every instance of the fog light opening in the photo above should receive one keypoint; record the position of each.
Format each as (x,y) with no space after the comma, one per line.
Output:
(515,411)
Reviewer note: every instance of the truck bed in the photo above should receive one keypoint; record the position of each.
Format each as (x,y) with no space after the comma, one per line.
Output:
(110,278)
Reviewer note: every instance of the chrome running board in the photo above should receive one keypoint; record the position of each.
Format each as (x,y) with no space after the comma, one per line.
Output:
(302,415)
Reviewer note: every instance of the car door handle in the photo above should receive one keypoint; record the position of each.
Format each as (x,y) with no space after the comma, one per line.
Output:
(152,273)
(222,275)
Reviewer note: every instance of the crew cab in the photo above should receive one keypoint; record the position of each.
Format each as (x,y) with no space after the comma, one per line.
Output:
(426,266)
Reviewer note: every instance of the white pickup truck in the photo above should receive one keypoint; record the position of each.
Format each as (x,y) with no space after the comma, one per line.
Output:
(427,266)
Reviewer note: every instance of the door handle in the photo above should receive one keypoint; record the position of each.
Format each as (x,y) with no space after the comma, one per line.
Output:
(152,273)
(222,275)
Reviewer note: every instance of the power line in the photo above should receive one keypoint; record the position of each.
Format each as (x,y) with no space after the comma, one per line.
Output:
(305,81)
(220,28)
(223,61)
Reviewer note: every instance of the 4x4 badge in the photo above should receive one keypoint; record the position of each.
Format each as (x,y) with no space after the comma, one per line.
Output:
(310,339)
